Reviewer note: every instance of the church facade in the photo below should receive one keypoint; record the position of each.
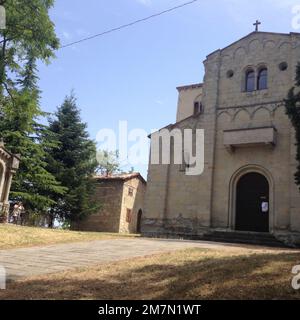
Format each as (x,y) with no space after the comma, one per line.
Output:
(250,156)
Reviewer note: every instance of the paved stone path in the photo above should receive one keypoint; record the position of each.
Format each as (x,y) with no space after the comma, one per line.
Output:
(26,262)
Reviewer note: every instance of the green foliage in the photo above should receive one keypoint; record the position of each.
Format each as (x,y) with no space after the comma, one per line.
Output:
(292,104)
(23,135)
(29,37)
(108,162)
(73,163)
(29,30)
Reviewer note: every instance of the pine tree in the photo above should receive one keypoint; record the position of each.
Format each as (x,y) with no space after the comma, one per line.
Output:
(73,163)
(292,104)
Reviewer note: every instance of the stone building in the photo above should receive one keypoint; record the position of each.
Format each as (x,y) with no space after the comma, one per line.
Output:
(248,179)
(9,163)
(121,198)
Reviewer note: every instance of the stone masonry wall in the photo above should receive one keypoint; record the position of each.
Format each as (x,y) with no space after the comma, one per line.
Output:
(180,204)
(108,195)
(134,202)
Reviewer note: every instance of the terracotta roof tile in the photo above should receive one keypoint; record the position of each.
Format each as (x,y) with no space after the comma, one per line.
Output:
(121,177)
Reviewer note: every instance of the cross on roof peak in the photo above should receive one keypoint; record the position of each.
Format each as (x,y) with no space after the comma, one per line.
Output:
(256,24)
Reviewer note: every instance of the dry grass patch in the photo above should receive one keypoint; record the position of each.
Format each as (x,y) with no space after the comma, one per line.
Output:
(189,274)
(12,236)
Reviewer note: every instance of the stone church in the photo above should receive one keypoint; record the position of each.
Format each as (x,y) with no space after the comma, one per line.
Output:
(248,181)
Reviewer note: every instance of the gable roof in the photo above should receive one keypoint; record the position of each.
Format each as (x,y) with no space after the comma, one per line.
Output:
(256,33)
(120,177)
(175,125)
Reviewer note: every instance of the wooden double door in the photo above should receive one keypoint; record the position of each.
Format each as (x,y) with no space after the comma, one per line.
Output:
(252,203)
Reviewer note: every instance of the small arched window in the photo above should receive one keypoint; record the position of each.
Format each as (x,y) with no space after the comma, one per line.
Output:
(262,80)
(250,81)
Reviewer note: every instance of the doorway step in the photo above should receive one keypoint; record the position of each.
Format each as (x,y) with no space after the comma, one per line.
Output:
(256,238)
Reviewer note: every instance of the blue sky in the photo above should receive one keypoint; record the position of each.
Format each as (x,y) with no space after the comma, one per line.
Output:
(133,74)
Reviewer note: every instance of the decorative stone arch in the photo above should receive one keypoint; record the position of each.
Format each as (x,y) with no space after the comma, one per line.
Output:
(241,110)
(253,114)
(225,112)
(269,44)
(225,120)
(240,51)
(284,45)
(252,168)
(253,44)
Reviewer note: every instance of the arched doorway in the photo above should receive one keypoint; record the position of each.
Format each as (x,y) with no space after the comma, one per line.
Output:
(139,221)
(252,203)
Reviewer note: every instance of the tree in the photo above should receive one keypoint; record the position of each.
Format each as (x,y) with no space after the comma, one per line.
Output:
(73,163)
(108,162)
(32,184)
(29,37)
(292,104)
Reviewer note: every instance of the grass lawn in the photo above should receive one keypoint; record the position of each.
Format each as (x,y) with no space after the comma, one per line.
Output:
(190,274)
(12,236)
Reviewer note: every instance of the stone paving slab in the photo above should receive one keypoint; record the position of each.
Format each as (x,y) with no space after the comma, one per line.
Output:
(25,262)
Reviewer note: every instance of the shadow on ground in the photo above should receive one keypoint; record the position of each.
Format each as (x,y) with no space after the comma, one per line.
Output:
(198,274)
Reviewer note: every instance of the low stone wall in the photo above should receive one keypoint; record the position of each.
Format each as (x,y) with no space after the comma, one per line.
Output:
(175,228)
(291,239)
